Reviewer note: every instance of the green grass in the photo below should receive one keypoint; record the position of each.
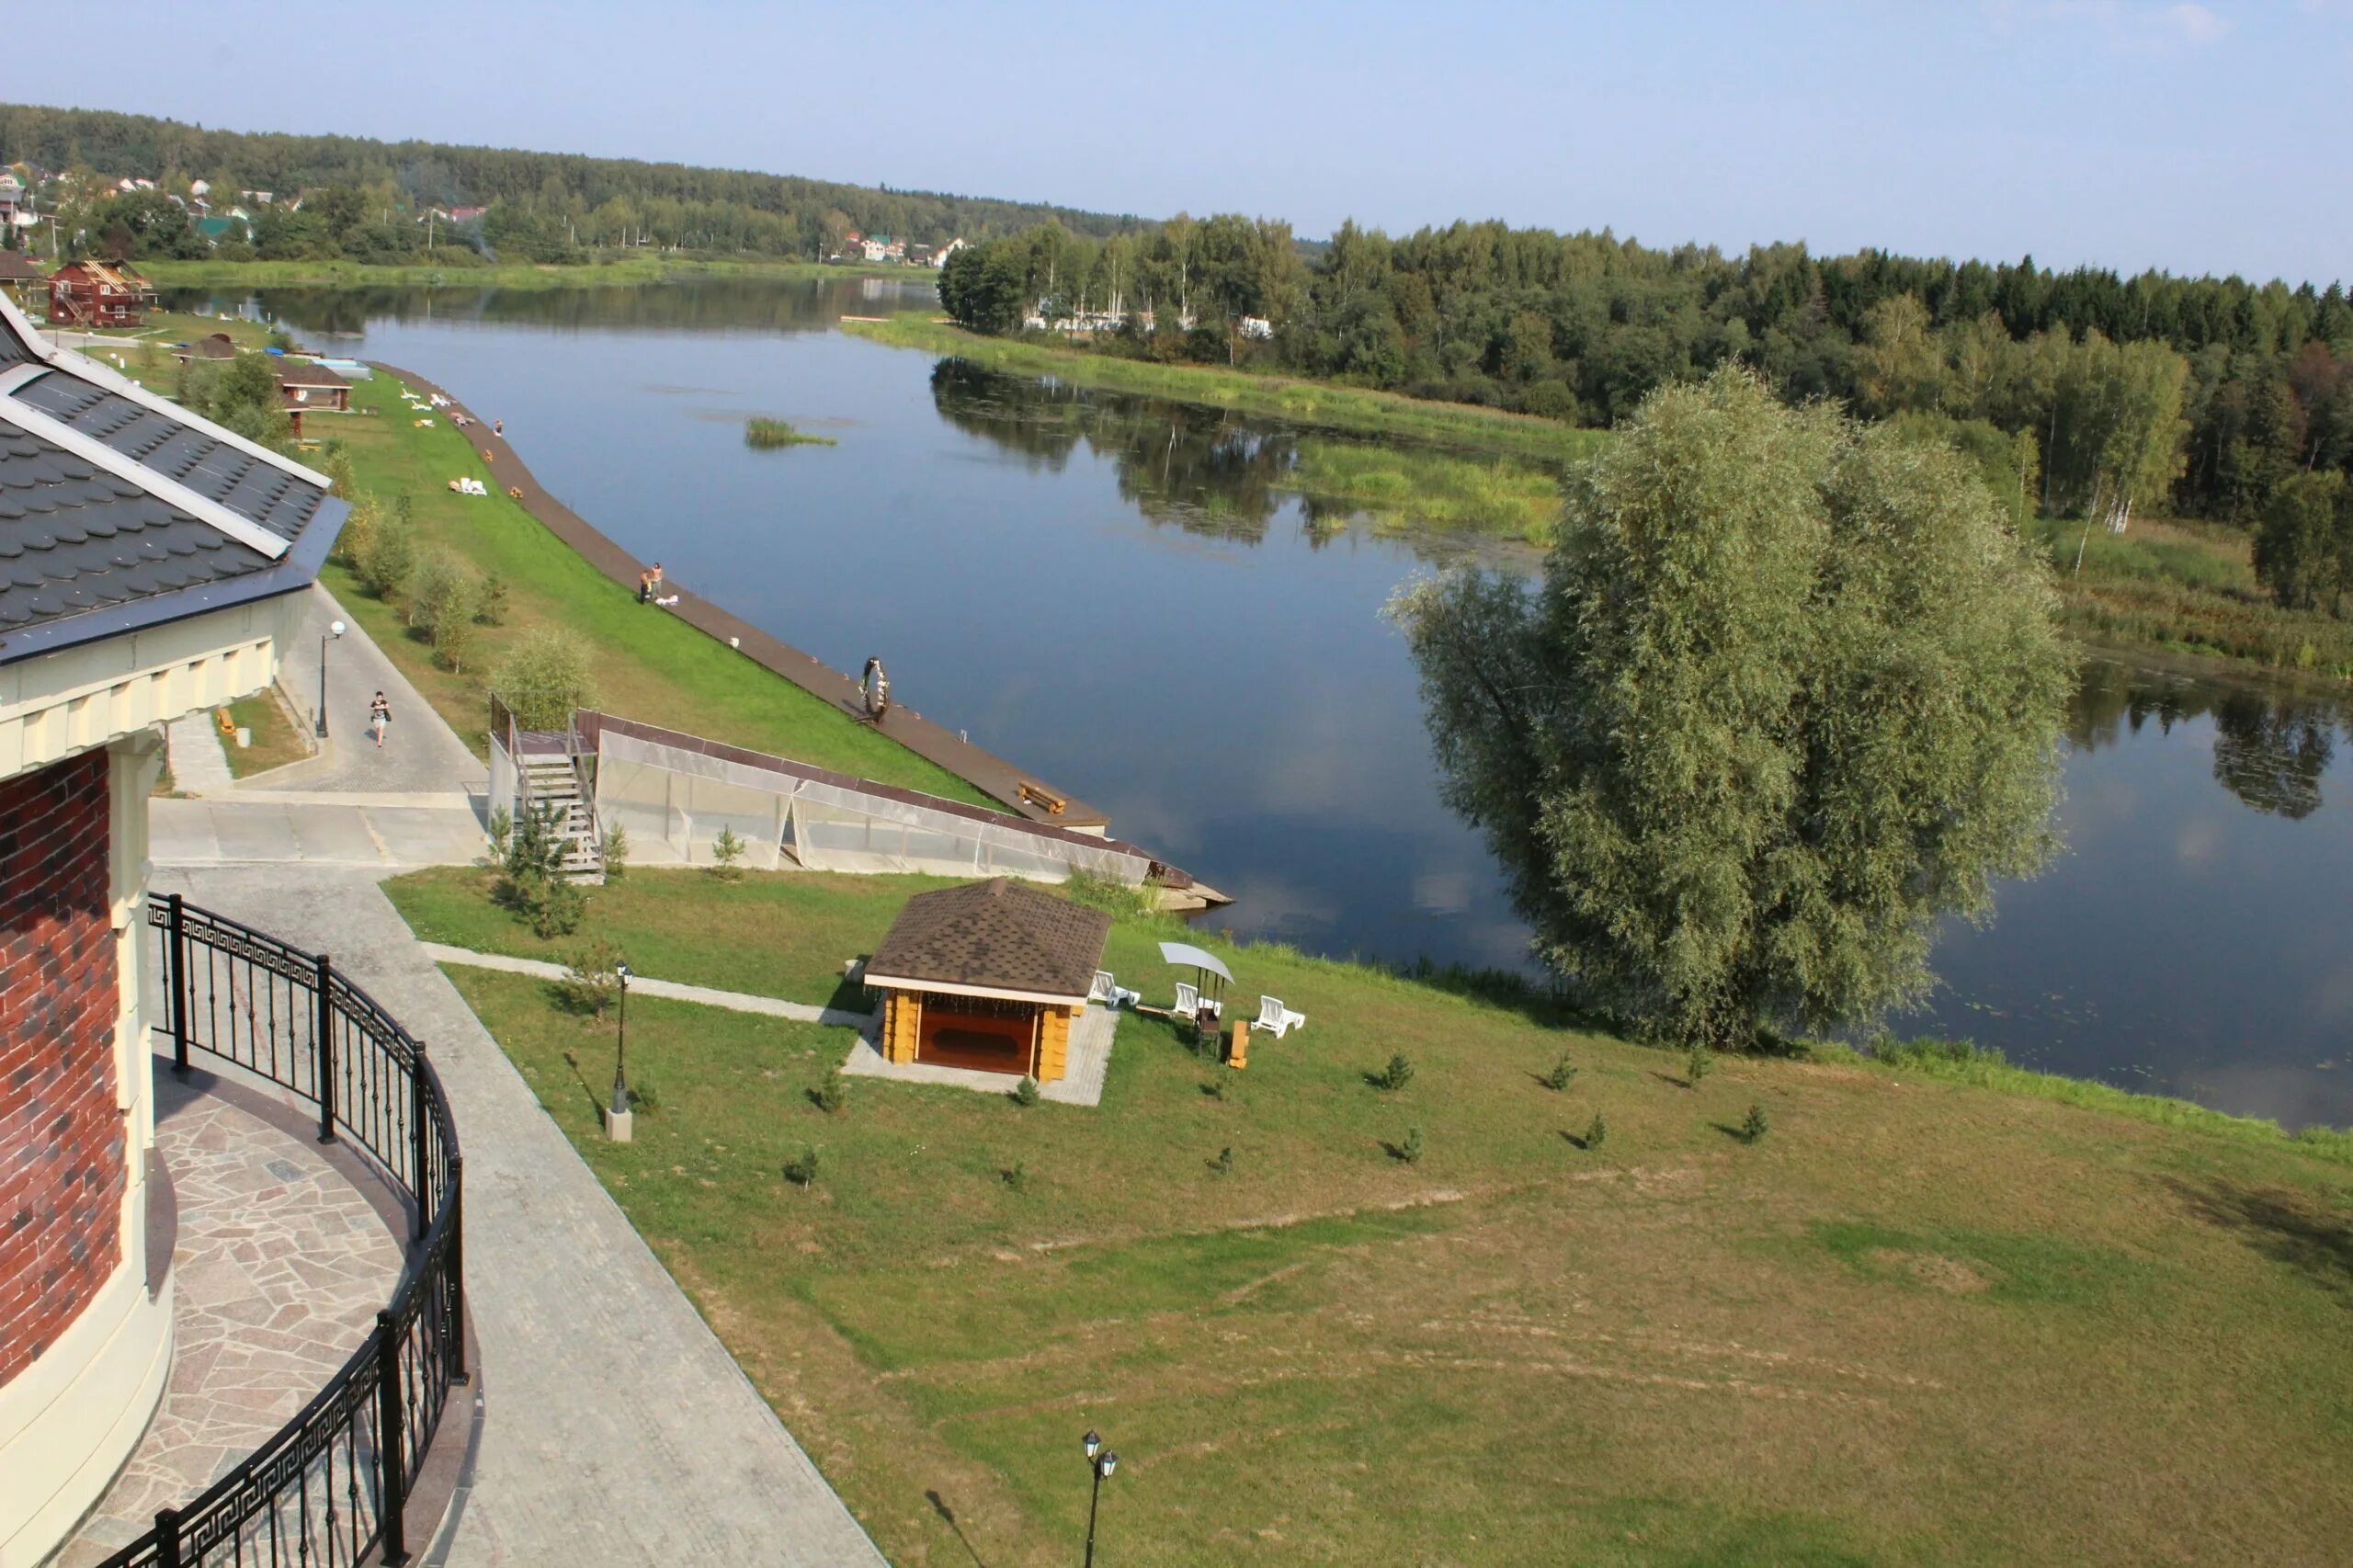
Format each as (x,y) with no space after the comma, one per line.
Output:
(648,664)
(1398,486)
(2186,588)
(1326,403)
(765,431)
(458,267)
(276,739)
(1925,1321)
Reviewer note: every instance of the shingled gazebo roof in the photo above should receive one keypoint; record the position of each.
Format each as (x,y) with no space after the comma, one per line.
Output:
(998,938)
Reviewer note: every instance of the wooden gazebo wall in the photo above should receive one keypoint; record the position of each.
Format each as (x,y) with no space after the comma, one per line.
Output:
(901,1036)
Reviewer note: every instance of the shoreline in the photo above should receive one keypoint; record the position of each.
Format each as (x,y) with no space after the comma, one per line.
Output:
(166,273)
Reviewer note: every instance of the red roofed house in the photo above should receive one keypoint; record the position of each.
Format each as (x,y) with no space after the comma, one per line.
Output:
(99,293)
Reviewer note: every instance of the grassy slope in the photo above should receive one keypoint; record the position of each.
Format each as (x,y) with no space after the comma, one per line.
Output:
(1921,1321)
(1319,402)
(649,665)
(461,273)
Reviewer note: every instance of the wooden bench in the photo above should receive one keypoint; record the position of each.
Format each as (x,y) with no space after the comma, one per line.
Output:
(1039,795)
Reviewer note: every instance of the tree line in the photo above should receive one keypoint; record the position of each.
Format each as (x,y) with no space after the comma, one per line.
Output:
(544,206)
(2095,394)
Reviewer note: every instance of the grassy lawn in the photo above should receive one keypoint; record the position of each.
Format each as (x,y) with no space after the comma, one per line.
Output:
(276,740)
(1245,392)
(649,665)
(1920,1320)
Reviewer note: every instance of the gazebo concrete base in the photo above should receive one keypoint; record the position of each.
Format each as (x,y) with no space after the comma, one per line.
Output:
(1090,1057)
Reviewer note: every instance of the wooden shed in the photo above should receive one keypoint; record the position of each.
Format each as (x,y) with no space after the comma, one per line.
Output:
(988,976)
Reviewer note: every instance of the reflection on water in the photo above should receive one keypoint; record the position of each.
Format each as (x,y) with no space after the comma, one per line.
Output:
(1122,593)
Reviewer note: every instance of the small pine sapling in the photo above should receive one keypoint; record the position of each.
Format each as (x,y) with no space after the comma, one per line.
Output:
(1396,1075)
(1025,1093)
(1017,1177)
(1410,1151)
(832,1091)
(1697,1066)
(1596,1131)
(1753,1125)
(1558,1079)
(1223,1165)
(801,1169)
(726,855)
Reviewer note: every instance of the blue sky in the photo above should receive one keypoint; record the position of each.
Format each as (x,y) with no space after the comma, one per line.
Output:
(2191,136)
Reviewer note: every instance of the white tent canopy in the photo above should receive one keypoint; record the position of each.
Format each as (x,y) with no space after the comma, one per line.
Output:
(1194,958)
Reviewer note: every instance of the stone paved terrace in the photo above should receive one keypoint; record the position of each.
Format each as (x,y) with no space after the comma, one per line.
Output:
(278,1269)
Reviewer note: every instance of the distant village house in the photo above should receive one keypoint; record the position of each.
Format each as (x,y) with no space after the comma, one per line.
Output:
(99,293)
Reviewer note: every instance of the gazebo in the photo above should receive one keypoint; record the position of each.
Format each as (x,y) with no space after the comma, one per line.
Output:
(988,976)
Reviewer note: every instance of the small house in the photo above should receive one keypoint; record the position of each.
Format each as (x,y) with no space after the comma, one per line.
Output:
(211,347)
(20,274)
(987,976)
(99,293)
(313,388)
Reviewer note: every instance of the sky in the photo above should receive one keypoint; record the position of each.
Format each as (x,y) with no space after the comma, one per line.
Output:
(2193,137)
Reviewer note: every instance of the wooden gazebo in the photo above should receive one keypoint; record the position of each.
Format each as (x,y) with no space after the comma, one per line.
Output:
(988,975)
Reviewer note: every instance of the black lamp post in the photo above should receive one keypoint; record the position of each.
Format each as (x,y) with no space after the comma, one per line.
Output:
(620,1046)
(1100,1462)
(335,630)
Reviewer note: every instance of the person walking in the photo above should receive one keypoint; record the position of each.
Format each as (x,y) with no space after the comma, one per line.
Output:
(380,719)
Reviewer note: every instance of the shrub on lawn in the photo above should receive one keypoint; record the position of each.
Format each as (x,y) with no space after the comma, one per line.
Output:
(1025,1093)
(1557,1080)
(1017,1177)
(1596,1131)
(1410,1151)
(727,855)
(832,1091)
(616,853)
(1395,1076)
(442,593)
(1697,1066)
(1223,1163)
(801,1170)
(591,979)
(531,881)
(387,554)
(547,673)
(1753,1125)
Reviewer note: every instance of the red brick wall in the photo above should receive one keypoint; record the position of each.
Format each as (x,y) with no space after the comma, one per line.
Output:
(62,1151)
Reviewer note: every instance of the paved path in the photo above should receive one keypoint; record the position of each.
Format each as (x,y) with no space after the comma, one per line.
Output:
(231,831)
(420,754)
(619,1431)
(669,990)
(199,766)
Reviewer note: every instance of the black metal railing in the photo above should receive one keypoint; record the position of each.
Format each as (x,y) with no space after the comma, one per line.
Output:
(331,1487)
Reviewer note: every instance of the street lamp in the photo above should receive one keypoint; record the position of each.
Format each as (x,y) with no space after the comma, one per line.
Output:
(620,1046)
(1100,1462)
(335,630)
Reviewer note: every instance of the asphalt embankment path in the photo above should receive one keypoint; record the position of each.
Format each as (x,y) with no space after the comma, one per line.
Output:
(985,771)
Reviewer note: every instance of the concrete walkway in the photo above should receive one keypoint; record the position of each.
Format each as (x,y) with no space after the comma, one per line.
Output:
(198,763)
(618,1431)
(669,990)
(421,755)
(231,830)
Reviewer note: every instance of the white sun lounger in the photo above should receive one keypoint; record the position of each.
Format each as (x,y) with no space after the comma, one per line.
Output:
(1276,1018)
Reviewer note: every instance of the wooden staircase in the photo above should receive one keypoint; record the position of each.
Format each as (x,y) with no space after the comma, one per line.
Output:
(550,782)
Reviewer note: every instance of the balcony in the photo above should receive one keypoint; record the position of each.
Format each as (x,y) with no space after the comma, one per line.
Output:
(319,1308)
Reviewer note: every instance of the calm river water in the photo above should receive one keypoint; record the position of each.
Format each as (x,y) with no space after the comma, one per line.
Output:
(1120,594)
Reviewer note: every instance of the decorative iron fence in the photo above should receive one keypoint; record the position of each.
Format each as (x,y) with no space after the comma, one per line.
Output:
(329,1487)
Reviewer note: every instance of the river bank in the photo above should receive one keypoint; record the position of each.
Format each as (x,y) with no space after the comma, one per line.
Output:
(464,270)
(1279,397)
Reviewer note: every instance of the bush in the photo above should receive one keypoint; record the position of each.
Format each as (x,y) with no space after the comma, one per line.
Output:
(1025,1093)
(1753,1125)
(832,1091)
(1223,1163)
(1557,1080)
(616,853)
(545,676)
(726,855)
(359,529)
(1017,1177)
(801,1169)
(591,979)
(440,589)
(501,834)
(334,461)
(1596,1131)
(531,881)
(388,554)
(490,603)
(560,909)
(1697,1066)
(1395,1076)
(1410,1151)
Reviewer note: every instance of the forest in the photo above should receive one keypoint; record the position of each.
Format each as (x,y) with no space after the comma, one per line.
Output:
(2082,393)
(548,207)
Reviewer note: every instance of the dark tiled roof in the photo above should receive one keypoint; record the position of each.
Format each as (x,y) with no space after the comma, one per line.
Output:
(73,538)
(181,450)
(996,935)
(15,266)
(12,352)
(303,373)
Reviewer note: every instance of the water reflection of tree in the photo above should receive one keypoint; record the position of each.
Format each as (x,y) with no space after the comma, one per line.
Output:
(2270,752)
(2271,749)
(1200,468)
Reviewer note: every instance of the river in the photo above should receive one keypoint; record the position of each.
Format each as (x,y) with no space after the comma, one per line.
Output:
(1123,596)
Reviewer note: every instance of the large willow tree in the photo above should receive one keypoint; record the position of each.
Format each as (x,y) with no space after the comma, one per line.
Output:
(1788,694)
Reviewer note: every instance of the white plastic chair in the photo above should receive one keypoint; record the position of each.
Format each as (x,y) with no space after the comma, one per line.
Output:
(1189,1000)
(1110,992)
(1276,1018)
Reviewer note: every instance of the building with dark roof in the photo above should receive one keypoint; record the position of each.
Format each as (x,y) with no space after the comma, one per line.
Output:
(99,293)
(988,975)
(311,389)
(150,566)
